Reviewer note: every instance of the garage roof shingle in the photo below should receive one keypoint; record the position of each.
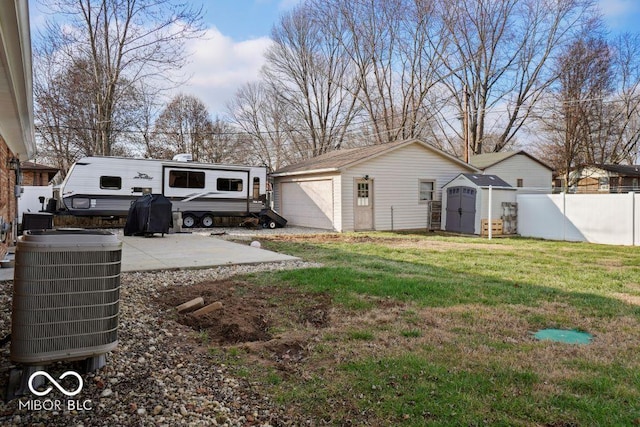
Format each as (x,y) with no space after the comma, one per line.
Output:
(338,159)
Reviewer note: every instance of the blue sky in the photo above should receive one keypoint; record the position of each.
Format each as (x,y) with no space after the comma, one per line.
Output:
(231,53)
(621,15)
(241,29)
(238,35)
(245,19)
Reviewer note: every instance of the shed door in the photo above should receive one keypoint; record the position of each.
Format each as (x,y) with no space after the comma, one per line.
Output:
(308,203)
(461,209)
(363,209)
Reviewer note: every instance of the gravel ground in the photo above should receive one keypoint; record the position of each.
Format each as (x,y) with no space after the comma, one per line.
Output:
(158,375)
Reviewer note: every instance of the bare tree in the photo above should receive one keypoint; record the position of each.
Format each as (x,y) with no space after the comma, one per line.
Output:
(393,46)
(183,126)
(594,105)
(260,114)
(140,137)
(498,62)
(310,73)
(222,144)
(573,119)
(123,42)
(625,111)
(54,136)
(595,116)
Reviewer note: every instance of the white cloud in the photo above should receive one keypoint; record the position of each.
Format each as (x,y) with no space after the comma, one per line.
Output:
(617,7)
(219,66)
(287,4)
(620,13)
(280,4)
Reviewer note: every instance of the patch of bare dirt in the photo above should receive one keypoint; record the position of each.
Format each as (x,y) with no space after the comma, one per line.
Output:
(396,242)
(628,298)
(249,313)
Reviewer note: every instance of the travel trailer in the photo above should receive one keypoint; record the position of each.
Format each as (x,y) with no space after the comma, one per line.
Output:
(106,186)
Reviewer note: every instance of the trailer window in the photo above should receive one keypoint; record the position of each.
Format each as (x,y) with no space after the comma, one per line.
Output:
(229,184)
(110,182)
(186,179)
(80,203)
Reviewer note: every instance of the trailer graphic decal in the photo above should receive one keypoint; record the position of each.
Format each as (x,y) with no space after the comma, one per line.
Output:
(142,175)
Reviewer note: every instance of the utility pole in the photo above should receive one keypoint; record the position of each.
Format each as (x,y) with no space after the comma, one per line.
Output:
(465,124)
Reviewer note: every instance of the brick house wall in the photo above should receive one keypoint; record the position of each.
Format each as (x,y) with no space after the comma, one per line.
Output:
(8,200)
(36,175)
(34,178)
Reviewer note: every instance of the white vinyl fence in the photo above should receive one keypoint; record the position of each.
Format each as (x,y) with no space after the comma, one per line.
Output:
(611,219)
(28,200)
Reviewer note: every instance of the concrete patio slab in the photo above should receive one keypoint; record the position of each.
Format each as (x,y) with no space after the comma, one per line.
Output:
(183,251)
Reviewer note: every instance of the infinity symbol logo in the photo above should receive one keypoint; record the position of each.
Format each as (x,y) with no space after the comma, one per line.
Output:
(55,383)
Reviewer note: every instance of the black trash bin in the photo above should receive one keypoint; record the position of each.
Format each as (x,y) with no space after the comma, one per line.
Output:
(149,214)
(37,221)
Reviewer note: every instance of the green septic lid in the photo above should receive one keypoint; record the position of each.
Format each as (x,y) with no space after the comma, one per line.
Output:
(565,336)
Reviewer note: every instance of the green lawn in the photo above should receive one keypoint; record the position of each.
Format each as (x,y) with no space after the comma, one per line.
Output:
(433,330)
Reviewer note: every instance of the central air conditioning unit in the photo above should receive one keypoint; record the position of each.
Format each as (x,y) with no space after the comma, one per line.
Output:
(66,296)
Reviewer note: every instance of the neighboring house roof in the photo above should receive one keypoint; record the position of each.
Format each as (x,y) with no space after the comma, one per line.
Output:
(483,181)
(16,80)
(337,160)
(31,166)
(621,170)
(484,161)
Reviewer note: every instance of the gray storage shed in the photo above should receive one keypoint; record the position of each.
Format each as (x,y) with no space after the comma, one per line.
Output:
(466,200)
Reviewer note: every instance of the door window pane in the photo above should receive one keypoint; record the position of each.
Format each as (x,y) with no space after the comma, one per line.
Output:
(363,194)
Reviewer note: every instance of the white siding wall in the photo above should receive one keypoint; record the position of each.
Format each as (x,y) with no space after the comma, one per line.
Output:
(395,178)
(337,207)
(537,178)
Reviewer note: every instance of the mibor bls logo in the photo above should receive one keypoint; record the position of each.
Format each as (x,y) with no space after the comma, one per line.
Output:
(56,404)
(55,383)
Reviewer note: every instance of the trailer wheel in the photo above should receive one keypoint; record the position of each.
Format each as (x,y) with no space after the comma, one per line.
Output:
(207,221)
(271,224)
(189,221)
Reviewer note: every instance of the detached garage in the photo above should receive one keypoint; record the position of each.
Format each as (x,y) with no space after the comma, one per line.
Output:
(382,187)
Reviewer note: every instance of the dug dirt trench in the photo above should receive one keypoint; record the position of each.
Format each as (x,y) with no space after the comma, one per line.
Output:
(252,316)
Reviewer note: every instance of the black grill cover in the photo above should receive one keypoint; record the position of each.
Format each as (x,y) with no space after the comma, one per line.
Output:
(149,214)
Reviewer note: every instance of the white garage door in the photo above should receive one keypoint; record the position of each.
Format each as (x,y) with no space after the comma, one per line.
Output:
(308,203)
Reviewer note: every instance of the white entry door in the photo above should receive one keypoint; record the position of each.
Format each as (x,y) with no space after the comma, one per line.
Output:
(363,205)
